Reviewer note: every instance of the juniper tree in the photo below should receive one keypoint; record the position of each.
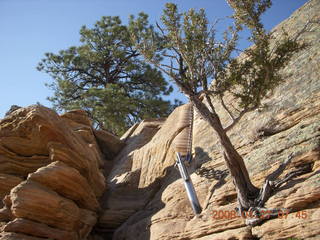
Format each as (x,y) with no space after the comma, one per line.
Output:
(106,77)
(207,69)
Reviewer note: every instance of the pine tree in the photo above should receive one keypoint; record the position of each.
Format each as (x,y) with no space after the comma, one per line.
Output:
(106,77)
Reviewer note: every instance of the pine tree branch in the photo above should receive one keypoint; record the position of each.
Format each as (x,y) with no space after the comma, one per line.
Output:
(226,108)
(236,120)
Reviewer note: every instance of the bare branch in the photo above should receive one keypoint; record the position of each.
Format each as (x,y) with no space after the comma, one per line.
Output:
(236,120)
(226,108)
(161,30)
(291,175)
(170,67)
(171,56)
(204,83)
(210,104)
(273,176)
(164,36)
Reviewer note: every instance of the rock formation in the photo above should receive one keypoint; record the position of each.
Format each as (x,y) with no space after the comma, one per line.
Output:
(51,171)
(146,198)
(61,179)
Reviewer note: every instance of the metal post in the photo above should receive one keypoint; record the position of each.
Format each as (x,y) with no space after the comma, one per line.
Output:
(192,195)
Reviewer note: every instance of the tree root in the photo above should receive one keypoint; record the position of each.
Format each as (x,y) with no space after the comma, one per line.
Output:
(257,213)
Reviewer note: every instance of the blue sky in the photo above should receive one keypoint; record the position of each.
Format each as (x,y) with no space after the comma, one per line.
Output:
(29,28)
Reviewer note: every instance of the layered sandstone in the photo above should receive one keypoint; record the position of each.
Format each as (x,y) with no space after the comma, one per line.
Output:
(60,178)
(51,171)
(147,199)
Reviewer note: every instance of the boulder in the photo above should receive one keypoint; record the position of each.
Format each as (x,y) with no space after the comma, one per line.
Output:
(36,202)
(68,182)
(109,143)
(38,128)
(28,227)
(51,171)
(78,116)
(14,164)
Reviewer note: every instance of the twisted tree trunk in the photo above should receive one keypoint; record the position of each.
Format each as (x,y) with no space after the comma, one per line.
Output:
(247,192)
(250,198)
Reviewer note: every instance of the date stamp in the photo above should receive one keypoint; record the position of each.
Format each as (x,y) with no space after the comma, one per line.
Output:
(232,214)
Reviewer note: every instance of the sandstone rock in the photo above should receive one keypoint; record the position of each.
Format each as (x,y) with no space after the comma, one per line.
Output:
(129,132)
(12,109)
(35,202)
(7,201)
(63,164)
(17,236)
(238,233)
(109,143)
(80,123)
(28,227)
(294,225)
(6,214)
(12,163)
(289,124)
(141,136)
(7,182)
(124,197)
(78,116)
(59,152)
(63,158)
(142,146)
(111,219)
(39,126)
(87,220)
(300,193)
(68,182)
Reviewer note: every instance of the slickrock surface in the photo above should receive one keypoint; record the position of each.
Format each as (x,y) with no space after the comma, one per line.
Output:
(51,172)
(147,200)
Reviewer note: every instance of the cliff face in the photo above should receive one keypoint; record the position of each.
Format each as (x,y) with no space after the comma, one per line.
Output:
(147,200)
(60,178)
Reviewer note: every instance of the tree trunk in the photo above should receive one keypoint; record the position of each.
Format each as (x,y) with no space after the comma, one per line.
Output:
(246,191)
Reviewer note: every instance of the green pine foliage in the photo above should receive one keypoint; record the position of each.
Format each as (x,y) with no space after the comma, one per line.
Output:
(203,63)
(210,70)
(107,77)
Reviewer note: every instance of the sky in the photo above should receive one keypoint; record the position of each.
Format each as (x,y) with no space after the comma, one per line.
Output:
(30,28)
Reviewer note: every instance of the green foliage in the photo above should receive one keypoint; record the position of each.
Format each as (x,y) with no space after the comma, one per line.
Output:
(186,48)
(248,12)
(106,76)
